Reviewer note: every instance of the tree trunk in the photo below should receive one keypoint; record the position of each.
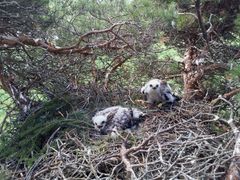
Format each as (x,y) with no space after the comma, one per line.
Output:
(191,76)
(196,66)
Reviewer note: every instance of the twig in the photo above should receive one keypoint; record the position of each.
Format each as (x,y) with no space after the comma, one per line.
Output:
(120,60)
(29,173)
(175,144)
(188,13)
(124,153)
(233,171)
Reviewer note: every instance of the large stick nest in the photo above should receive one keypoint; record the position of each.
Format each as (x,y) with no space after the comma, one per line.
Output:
(187,142)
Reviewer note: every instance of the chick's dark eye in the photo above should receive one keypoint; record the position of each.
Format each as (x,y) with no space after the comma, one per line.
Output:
(103,123)
(150,85)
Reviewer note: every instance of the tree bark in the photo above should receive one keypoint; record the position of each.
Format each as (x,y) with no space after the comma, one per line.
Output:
(193,73)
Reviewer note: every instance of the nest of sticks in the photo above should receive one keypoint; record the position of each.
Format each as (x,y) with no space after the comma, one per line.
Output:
(187,142)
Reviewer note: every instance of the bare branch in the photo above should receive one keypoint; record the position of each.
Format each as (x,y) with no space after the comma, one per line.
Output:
(200,21)
(231,93)
(234,169)
(113,43)
(120,60)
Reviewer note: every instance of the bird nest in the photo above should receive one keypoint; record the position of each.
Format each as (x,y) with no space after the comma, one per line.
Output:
(186,142)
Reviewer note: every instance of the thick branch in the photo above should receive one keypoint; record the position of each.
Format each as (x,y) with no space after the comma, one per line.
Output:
(231,93)
(226,96)
(116,42)
(100,31)
(194,73)
(11,41)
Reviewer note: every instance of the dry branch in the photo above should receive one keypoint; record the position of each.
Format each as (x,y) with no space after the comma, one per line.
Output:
(23,40)
(226,96)
(178,144)
(119,61)
(99,31)
(231,94)
(200,22)
(234,168)
(115,43)
(124,156)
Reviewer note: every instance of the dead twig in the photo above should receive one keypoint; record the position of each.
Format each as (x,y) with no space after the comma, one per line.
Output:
(233,171)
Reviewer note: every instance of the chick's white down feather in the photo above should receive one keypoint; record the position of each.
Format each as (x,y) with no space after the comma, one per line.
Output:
(157,91)
(116,117)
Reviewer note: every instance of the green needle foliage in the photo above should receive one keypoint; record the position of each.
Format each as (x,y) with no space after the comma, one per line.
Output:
(153,41)
(30,138)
